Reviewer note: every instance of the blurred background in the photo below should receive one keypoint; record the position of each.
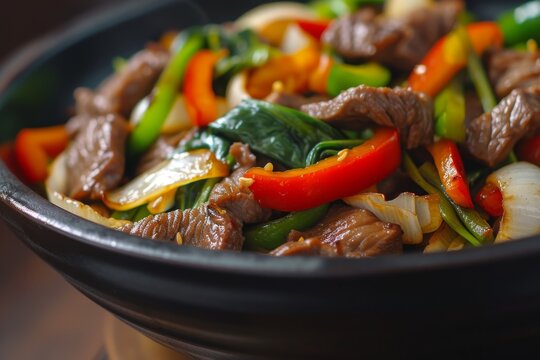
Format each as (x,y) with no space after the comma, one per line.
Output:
(41,316)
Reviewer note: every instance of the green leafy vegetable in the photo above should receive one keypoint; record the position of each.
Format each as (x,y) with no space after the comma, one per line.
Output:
(206,139)
(280,133)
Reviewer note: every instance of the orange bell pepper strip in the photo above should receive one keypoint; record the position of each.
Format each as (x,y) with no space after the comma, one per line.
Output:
(293,71)
(35,147)
(450,168)
(447,57)
(489,198)
(333,178)
(529,150)
(201,102)
(315,28)
(318,80)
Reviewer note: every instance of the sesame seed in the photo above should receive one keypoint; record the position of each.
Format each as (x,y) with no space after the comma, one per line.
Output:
(179,239)
(245,182)
(269,167)
(343,154)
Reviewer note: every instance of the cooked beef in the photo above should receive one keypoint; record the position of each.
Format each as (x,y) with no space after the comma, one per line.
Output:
(473,106)
(410,112)
(96,157)
(123,90)
(308,247)
(161,149)
(354,233)
(492,136)
(399,43)
(511,69)
(235,197)
(207,227)
(293,101)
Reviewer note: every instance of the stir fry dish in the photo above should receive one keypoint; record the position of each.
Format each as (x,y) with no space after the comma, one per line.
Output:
(336,128)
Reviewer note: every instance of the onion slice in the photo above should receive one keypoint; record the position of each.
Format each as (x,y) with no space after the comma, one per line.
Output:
(262,15)
(237,89)
(415,214)
(180,169)
(444,239)
(56,186)
(520,187)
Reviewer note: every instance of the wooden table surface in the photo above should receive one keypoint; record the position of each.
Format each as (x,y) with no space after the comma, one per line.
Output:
(41,315)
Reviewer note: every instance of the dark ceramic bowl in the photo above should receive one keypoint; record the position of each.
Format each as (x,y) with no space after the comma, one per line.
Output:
(243,305)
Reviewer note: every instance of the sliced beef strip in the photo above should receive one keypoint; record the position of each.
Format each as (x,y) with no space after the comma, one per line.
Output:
(410,112)
(231,195)
(123,90)
(491,136)
(208,227)
(511,69)
(354,233)
(308,247)
(96,157)
(162,148)
(293,101)
(399,43)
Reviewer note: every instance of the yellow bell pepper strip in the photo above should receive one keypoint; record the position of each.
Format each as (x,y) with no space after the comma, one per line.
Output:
(447,57)
(450,167)
(179,170)
(346,174)
(521,24)
(201,102)
(343,77)
(272,234)
(34,148)
(148,128)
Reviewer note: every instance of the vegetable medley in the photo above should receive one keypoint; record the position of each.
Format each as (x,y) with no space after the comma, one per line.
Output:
(339,128)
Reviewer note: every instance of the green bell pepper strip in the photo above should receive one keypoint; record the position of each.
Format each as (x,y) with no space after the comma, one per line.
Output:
(450,112)
(521,24)
(343,77)
(274,233)
(447,211)
(472,220)
(165,91)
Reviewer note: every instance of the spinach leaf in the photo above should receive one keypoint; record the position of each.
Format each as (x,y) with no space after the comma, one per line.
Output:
(278,132)
(206,139)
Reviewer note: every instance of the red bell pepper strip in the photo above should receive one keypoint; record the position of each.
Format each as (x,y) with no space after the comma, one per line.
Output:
(450,168)
(201,102)
(314,28)
(35,147)
(447,57)
(330,179)
(529,150)
(489,198)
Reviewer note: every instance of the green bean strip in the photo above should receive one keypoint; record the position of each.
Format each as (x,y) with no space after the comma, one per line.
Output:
(272,234)
(472,220)
(477,73)
(446,209)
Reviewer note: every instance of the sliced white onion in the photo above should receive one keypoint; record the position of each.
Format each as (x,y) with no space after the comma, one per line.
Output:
(294,40)
(56,186)
(139,110)
(403,211)
(178,118)
(168,175)
(237,89)
(444,239)
(265,14)
(520,187)
(400,8)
